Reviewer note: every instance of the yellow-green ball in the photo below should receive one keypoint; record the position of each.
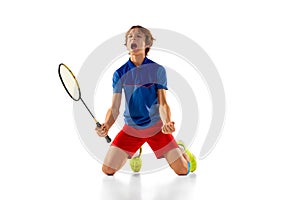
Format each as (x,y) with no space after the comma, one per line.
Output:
(136,164)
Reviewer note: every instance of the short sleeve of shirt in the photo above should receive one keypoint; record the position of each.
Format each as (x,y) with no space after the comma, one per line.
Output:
(117,83)
(161,78)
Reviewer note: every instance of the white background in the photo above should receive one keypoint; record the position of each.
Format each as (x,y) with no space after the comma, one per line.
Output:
(255,46)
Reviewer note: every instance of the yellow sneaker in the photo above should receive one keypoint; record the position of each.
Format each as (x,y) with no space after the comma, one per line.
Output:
(136,162)
(193,160)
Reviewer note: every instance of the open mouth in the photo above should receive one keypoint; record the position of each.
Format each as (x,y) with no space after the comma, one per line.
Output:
(133,46)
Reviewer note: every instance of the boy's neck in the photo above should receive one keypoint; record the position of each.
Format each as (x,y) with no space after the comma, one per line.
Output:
(137,60)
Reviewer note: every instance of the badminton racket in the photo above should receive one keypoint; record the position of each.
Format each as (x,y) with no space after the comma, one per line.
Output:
(71,85)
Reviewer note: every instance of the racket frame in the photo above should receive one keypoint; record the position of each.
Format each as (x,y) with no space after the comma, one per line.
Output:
(108,140)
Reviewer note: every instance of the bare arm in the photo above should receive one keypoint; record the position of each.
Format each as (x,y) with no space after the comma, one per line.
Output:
(111,115)
(164,109)
(113,112)
(165,112)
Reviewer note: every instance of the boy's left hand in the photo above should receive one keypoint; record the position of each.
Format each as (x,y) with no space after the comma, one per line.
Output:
(168,128)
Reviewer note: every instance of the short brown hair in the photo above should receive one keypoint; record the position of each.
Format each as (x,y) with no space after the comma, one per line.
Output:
(149,38)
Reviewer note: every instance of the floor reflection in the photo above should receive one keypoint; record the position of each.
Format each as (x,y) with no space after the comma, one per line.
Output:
(181,187)
(113,188)
(135,187)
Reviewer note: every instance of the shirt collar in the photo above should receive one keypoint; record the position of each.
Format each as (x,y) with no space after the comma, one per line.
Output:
(131,65)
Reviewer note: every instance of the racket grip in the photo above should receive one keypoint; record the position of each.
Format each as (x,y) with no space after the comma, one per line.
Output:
(108,140)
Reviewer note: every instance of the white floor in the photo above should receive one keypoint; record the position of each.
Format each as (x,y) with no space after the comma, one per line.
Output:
(151,186)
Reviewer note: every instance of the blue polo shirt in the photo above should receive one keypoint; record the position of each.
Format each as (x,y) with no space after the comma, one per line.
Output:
(140,85)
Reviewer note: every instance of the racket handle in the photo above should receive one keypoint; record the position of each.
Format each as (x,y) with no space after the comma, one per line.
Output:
(108,140)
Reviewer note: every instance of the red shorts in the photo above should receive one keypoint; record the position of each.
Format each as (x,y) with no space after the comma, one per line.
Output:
(130,140)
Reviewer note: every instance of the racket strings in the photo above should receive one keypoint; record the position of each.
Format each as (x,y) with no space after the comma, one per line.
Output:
(70,83)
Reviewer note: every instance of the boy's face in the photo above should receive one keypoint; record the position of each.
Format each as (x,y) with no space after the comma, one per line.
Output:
(136,42)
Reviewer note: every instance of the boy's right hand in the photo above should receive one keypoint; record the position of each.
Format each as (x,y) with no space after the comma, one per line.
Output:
(102,131)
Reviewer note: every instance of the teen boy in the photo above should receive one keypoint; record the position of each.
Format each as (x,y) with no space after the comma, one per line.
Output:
(147,114)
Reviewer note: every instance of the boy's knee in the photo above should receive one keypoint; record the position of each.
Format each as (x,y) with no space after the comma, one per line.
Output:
(108,170)
(180,167)
(181,170)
